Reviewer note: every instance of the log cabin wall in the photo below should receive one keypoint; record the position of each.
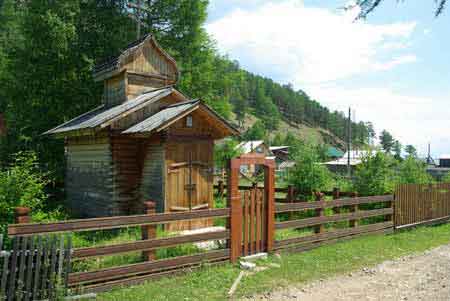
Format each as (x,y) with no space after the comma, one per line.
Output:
(115,90)
(89,176)
(127,165)
(153,180)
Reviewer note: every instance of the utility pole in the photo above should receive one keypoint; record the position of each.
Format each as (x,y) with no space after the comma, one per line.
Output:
(349,142)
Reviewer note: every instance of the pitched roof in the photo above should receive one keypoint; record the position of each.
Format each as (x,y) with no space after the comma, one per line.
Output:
(114,63)
(166,115)
(101,115)
(249,146)
(334,152)
(172,113)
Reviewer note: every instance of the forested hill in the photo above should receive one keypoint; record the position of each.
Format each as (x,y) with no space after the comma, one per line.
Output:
(48,49)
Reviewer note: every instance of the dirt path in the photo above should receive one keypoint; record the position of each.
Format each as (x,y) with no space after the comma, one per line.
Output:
(419,277)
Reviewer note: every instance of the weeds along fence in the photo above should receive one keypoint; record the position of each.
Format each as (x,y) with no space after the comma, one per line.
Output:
(35,268)
(422,204)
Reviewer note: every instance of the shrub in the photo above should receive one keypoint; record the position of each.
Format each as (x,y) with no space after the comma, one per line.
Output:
(376,174)
(22,184)
(413,171)
(309,175)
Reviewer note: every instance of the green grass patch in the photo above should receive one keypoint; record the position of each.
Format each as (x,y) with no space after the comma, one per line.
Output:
(213,283)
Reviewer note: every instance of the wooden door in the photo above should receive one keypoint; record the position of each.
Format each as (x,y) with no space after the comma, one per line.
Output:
(189,183)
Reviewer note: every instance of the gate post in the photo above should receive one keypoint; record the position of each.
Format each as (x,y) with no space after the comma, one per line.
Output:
(234,203)
(269,184)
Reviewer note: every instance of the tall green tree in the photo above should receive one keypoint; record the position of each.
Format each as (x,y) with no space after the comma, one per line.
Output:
(411,150)
(387,141)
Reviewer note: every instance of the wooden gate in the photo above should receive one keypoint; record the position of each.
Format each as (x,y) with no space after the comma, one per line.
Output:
(189,181)
(254,220)
(253,212)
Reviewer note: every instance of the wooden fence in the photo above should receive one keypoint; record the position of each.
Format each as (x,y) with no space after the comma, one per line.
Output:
(36,268)
(106,278)
(421,204)
(325,225)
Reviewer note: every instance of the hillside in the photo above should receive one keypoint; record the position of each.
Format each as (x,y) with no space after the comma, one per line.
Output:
(314,135)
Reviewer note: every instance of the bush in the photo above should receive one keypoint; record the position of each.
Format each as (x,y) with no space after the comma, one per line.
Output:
(22,185)
(309,175)
(376,174)
(413,171)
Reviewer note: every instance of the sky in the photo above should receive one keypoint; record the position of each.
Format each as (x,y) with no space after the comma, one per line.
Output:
(392,69)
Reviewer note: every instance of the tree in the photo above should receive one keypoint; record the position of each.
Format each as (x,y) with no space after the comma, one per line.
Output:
(413,171)
(368,6)
(375,175)
(387,141)
(397,148)
(309,175)
(225,151)
(411,151)
(256,132)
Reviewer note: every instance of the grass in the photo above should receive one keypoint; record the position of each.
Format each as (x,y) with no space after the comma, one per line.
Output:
(212,283)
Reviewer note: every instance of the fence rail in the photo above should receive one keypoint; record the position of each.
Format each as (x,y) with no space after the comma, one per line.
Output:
(321,235)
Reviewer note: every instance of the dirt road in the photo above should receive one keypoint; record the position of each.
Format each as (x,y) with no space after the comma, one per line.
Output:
(420,277)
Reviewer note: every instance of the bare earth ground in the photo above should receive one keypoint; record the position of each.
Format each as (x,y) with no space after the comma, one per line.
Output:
(417,277)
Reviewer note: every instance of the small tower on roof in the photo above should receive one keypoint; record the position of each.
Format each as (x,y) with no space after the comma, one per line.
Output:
(141,66)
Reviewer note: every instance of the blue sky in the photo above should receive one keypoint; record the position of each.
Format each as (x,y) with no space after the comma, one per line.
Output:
(392,69)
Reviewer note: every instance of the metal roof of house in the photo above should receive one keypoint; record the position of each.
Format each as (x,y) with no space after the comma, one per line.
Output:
(249,146)
(334,152)
(166,115)
(101,114)
(275,148)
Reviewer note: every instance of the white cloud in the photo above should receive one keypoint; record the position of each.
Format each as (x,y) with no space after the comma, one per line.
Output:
(412,119)
(301,44)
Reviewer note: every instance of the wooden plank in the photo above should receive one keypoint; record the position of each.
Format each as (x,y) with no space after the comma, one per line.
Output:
(332,234)
(334,203)
(310,246)
(13,269)
(67,261)
(52,269)
(22,260)
(245,235)
(146,267)
(302,223)
(149,244)
(106,286)
(4,275)
(45,267)
(258,220)
(251,220)
(29,271)
(37,270)
(113,222)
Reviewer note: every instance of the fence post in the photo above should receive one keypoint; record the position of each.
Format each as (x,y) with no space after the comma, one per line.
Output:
(269,184)
(234,202)
(319,211)
(290,198)
(220,188)
(149,231)
(22,215)
(336,195)
(353,208)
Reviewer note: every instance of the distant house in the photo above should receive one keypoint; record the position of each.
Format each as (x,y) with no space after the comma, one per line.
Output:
(334,153)
(340,165)
(2,125)
(281,154)
(442,169)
